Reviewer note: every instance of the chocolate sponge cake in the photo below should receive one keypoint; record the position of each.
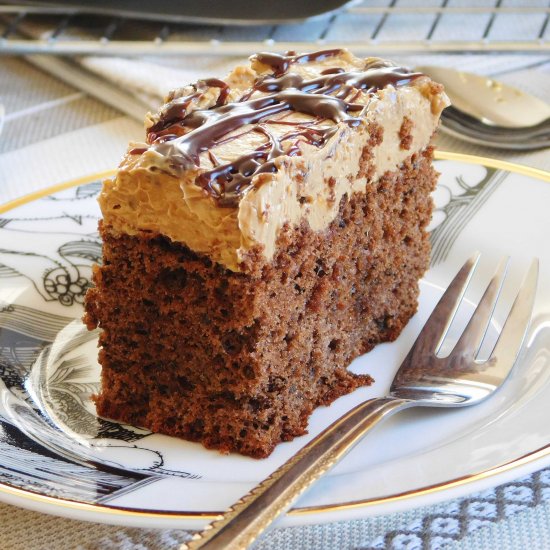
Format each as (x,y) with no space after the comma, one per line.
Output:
(271,228)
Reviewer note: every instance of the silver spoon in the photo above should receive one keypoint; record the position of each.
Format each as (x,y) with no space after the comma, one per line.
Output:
(424,379)
(490,113)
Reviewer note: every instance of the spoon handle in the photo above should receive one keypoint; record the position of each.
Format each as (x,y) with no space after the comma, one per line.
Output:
(253,513)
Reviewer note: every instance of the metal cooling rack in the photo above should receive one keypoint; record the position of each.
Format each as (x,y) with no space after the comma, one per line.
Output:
(369,27)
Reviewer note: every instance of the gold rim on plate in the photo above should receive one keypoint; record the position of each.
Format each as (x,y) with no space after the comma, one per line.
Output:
(307,510)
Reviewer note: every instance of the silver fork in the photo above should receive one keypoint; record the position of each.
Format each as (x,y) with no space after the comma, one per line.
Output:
(423,379)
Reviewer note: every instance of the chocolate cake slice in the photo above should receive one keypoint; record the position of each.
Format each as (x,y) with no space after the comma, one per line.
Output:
(271,229)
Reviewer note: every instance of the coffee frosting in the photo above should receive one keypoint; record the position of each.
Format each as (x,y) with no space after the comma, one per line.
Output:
(229,163)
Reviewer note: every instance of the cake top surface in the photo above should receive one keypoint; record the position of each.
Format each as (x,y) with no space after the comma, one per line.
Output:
(233,130)
(228,163)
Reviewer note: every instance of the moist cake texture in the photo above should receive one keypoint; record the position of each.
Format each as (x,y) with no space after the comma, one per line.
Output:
(271,229)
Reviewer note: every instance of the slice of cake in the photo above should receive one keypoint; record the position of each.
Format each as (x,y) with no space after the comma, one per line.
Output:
(270,230)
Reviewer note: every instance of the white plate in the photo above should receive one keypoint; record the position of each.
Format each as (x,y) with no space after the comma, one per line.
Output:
(48,371)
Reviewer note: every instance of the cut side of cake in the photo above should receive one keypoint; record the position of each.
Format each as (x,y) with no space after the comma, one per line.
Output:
(271,229)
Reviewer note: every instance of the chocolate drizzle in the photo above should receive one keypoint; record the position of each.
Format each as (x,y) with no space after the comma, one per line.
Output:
(176,110)
(227,182)
(183,136)
(281,63)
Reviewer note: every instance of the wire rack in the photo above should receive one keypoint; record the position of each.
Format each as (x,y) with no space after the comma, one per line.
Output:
(368,27)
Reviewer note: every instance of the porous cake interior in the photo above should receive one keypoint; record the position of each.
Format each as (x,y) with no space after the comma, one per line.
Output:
(239,360)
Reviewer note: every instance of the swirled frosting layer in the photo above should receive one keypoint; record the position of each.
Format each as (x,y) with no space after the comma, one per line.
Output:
(228,163)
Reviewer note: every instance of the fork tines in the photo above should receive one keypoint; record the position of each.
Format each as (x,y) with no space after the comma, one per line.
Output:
(515,327)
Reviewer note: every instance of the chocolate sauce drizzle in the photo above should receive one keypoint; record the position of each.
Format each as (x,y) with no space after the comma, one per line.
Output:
(182,136)
(281,63)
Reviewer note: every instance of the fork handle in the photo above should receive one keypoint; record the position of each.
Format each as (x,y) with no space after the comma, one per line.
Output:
(237,528)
